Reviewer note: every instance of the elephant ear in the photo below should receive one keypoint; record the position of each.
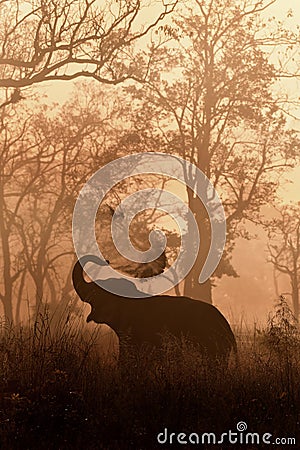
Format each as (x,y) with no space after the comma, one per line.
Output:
(128,288)
(145,270)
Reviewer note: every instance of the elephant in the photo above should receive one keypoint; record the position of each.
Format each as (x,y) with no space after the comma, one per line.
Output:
(143,321)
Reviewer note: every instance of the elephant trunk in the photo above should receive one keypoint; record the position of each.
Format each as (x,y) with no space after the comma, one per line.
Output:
(82,287)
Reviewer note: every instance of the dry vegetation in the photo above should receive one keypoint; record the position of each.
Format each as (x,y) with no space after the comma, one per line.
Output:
(58,392)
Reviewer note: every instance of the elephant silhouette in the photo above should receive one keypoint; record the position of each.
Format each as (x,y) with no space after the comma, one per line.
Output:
(143,321)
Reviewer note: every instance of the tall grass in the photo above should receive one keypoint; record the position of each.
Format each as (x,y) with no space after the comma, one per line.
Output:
(60,392)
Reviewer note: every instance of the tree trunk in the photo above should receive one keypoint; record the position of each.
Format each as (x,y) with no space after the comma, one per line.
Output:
(20,298)
(295,296)
(192,287)
(39,291)
(7,305)
(6,271)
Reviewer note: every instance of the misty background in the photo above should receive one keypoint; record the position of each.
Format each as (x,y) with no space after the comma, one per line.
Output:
(214,82)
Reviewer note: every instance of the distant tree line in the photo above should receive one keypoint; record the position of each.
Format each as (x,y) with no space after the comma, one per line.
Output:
(196,81)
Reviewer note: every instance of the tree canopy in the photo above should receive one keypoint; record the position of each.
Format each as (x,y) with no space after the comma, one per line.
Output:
(47,40)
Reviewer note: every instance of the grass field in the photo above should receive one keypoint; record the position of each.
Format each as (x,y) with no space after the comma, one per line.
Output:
(59,392)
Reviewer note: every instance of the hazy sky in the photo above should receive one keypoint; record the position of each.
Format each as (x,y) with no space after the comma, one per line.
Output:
(59,91)
(281,6)
(253,291)
(290,191)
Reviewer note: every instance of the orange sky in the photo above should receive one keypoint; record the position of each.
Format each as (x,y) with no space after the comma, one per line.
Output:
(234,296)
(60,91)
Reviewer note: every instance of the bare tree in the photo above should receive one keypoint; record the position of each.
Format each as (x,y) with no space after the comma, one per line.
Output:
(47,40)
(284,248)
(18,157)
(218,111)
(46,159)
